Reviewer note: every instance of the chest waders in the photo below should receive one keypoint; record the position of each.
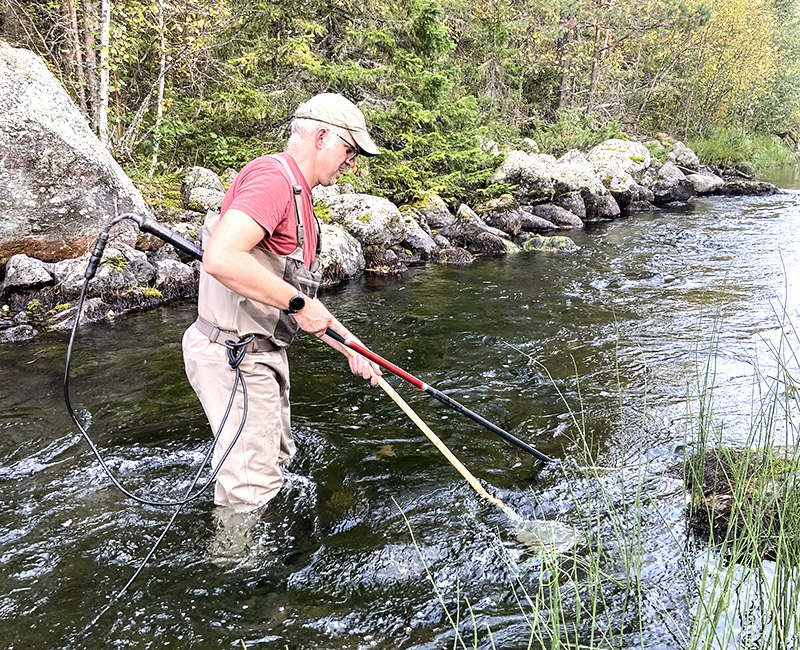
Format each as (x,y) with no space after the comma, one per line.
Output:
(251,474)
(224,314)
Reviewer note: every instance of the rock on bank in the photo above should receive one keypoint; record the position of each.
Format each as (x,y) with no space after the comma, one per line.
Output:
(58,184)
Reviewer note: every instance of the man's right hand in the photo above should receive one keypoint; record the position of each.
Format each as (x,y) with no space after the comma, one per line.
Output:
(315,318)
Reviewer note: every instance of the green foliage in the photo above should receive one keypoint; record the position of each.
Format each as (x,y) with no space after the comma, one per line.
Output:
(34,306)
(572,129)
(749,153)
(162,190)
(435,78)
(433,149)
(657,151)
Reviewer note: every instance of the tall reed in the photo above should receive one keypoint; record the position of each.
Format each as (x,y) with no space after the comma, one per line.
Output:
(735,582)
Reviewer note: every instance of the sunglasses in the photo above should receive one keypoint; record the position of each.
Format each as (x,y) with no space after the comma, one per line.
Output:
(352,150)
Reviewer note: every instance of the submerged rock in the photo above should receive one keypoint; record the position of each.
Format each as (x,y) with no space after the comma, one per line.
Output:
(550,244)
(19,334)
(455,257)
(557,216)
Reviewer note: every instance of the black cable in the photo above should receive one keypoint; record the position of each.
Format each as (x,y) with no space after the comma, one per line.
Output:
(236,352)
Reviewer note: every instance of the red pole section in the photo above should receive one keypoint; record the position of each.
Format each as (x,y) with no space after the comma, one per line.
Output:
(369,354)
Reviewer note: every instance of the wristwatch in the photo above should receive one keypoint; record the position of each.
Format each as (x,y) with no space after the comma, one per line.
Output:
(296,304)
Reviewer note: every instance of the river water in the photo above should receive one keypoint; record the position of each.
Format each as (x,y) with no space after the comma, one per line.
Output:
(376,541)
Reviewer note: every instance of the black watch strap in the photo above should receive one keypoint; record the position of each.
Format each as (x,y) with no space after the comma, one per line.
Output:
(296,304)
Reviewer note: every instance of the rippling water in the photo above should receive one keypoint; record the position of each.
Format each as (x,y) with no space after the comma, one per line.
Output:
(610,335)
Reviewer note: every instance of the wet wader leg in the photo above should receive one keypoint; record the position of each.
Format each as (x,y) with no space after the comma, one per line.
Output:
(250,475)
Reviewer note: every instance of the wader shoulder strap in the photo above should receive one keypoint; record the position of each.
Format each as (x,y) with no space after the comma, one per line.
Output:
(297,192)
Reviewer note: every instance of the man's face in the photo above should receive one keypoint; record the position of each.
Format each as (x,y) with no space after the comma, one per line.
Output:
(340,155)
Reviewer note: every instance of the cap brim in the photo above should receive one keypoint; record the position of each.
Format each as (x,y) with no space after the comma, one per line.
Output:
(365,143)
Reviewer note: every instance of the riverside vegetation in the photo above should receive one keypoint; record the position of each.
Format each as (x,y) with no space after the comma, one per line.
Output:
(168,85)
(739,545)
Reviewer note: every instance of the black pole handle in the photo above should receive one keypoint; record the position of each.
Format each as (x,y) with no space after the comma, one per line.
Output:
(154,228)
(96,256)
(437,394)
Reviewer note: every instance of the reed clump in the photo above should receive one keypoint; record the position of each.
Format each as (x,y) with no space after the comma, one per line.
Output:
(745,498)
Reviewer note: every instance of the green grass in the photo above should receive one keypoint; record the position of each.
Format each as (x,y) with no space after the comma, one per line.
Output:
(739,578)
(729,148)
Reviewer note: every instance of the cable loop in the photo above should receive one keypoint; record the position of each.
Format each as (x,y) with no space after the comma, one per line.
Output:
(238,349)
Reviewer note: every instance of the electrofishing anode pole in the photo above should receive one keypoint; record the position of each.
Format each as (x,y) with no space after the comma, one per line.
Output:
(436,394)
(155,228)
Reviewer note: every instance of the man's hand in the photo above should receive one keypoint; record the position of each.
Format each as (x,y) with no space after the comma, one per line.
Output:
(359,365)
(315,318)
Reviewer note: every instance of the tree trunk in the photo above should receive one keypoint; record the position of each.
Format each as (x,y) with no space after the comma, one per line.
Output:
(595,69)
(89,28)
(688,107)
(102,90)
(565,57)
(76,55)
(598,54)
(160,100)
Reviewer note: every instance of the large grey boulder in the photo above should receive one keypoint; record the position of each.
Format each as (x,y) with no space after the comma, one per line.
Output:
(574,173)
(683,156)
(705,182)
(94,311)
(502,213)
(437,214)
(202,190)
(174,279)
(670,185)
(24,272)
(372,220)
(58,184)
(455,257)
(476,236)
(341,257)
(530,173)
(572,201)
(417,238)
(114,276)
(531,222)
(600,207)
(18,334)
(615,153)
(557,216)
(137,263)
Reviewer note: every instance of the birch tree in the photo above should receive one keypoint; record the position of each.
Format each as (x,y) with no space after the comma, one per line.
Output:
(101,119)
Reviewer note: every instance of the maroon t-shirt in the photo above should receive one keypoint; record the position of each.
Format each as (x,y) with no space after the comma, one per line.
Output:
(263,191)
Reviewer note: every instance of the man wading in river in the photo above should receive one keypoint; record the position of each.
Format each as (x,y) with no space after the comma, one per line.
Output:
(259,277)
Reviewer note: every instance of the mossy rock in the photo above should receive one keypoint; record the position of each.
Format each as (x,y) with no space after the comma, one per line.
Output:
(556,244)
(323,212)
(746,499)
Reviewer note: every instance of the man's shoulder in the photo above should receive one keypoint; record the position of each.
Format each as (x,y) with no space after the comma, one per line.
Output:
(264,168)
(267,162)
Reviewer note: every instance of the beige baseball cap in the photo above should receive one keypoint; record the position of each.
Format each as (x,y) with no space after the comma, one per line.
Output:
(337,110)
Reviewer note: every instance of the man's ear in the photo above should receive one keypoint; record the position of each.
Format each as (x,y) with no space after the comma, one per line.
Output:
(319,137)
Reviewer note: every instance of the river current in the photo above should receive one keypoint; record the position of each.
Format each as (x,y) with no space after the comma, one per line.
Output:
(376,541)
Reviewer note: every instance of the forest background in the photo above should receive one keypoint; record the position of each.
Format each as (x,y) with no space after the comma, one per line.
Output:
(168,84)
